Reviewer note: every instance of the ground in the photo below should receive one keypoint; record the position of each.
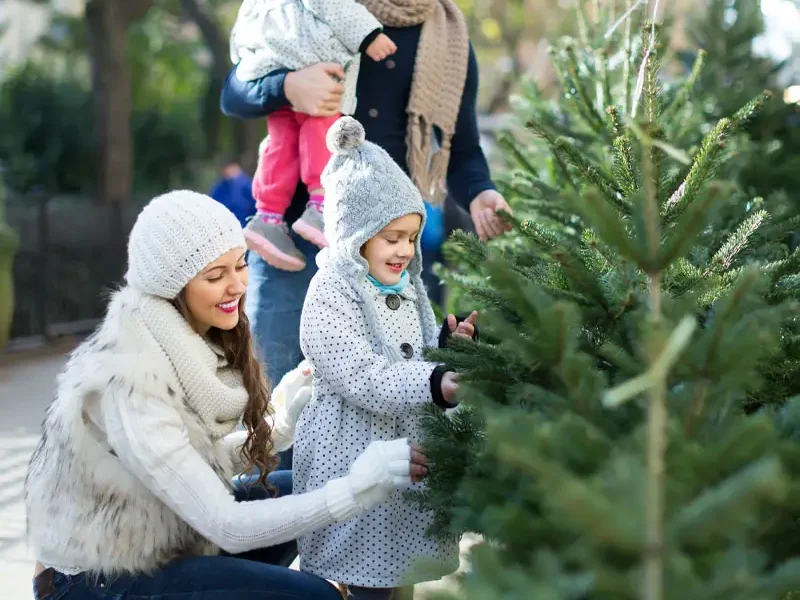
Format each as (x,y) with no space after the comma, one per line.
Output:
(27,383)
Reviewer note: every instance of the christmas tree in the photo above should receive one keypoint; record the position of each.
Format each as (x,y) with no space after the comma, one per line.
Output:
(627,427)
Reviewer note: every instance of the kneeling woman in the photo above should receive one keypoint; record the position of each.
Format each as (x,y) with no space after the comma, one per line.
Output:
(129,492)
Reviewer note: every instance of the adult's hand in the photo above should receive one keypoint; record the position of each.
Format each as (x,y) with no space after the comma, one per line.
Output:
(483,210)
(315,90)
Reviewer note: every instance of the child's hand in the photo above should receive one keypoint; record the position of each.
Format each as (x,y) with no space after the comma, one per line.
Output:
(449,387)
(465,329)
(381,47)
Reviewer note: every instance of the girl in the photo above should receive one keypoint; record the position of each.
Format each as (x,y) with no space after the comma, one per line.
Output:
(292,34)
(129,492)
(365,322)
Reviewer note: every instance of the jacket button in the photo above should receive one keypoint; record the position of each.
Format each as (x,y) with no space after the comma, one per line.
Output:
(393,301)
(390,64)
(373,112)
(407,350)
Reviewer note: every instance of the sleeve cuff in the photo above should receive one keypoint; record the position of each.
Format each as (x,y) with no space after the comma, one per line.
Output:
(369,39)
(436,388)
(340,500)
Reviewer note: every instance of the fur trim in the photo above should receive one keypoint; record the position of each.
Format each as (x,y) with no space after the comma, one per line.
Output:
(86,512)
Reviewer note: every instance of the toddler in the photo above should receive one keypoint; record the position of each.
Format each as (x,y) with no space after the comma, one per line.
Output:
(293,34)
(365,322)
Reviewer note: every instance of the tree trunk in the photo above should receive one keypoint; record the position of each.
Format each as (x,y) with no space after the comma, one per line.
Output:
(108,22)
(202,15)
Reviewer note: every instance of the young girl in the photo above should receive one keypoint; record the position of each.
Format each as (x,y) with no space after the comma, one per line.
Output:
(293,34)
(365,322)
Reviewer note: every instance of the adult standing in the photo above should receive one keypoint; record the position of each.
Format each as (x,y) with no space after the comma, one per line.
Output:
(421,97)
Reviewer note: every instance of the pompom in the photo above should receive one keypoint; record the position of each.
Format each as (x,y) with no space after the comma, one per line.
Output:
(344,135)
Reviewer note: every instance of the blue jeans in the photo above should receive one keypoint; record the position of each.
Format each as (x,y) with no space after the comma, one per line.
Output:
(273,305)
(239,577)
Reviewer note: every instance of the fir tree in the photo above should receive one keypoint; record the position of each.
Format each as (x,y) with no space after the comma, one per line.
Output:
(627,427)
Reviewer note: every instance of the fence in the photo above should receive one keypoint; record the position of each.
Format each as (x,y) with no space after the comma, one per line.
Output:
(72,253)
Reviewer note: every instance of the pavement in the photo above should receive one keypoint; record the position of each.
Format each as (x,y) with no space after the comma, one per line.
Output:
(27,384)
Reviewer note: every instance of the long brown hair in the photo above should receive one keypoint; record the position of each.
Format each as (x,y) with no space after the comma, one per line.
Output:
(237,344)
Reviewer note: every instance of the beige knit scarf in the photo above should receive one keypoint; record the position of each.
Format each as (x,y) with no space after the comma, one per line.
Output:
(440,72)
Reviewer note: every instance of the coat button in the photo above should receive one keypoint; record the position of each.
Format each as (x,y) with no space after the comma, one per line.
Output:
(390,64)
(407,350)
(373,112)
(393,301)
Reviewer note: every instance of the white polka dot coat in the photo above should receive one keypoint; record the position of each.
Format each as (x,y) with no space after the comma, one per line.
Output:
(359,395)
(294,34)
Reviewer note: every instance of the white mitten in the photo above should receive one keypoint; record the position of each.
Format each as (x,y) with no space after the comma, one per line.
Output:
(380,470)
(292,394)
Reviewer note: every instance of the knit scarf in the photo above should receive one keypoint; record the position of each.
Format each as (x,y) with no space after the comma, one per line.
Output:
(211,389)
(440,72)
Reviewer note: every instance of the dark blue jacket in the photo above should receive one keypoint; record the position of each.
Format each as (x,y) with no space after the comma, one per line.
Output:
(237,195)
(383,91)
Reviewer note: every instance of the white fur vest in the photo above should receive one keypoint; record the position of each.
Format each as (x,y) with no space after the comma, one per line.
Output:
(85,510)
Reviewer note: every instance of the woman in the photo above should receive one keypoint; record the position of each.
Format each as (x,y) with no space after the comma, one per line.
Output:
(129,492)
(428,86)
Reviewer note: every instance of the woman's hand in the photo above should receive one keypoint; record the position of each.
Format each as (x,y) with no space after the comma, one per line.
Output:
(465,329)
(483,210)
(292,394)
(383,468)
(315,90)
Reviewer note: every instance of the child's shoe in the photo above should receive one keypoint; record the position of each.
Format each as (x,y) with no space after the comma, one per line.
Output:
(269,237)
(310,225)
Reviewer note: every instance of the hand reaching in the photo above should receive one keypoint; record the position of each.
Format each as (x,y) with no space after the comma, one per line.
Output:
(385,466)
(449,387)
(483,210)
(465,329)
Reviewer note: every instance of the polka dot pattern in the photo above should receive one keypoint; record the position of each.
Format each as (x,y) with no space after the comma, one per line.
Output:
(359,396)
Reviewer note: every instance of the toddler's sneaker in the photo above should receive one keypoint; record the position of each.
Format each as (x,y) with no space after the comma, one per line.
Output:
(270,238)
(310,225)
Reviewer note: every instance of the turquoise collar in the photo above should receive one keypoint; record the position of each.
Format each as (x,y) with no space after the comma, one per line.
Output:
(397,288)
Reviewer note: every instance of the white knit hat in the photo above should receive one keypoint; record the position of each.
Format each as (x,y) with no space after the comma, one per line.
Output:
(175,237)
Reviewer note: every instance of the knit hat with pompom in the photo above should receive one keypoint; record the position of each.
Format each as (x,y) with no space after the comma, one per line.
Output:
(175,237)
(365,190)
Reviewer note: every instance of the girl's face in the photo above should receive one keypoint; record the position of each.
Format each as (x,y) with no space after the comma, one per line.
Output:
(392,248)
(213,296)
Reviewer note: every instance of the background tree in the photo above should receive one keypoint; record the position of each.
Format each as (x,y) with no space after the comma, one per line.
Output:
(108,24)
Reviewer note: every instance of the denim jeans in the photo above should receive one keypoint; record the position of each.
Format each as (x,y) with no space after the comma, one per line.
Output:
(274,303)
(240,577)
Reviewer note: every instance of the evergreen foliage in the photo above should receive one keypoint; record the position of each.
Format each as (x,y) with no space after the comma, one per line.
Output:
(628,424)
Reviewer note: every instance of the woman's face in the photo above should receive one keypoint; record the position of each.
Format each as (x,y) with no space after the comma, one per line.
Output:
(392,248)
(213,296)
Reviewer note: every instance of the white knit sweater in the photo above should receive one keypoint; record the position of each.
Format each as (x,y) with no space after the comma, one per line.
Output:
(127,477)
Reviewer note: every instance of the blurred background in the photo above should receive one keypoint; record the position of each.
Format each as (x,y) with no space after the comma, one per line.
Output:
(105,103)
